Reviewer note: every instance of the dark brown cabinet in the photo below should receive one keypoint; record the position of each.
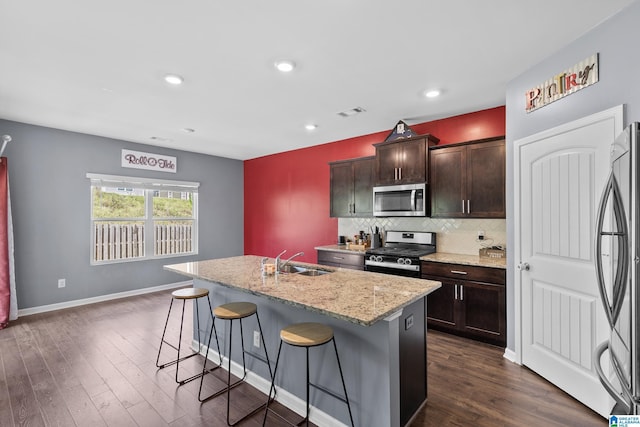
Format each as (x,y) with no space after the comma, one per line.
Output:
(404,161)
(468,180)
(351,187)
(353,261)
(471,301)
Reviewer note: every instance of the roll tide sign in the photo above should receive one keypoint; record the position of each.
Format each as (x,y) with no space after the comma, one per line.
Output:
(148,161)
(581,75)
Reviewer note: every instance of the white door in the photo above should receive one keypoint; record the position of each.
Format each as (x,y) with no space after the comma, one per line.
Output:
(559,176)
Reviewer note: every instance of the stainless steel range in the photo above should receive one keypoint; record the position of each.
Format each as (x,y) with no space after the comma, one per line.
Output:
(401,253)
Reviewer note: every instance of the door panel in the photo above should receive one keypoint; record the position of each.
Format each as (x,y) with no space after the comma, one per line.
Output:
(560,175)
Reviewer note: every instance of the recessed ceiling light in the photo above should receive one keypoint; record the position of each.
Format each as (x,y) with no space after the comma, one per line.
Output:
(188,130)
(311,126)
(432,93)
(173,79)
(285,66)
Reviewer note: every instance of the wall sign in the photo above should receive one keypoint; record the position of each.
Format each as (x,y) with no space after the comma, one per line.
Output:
(148,161)
(581,75)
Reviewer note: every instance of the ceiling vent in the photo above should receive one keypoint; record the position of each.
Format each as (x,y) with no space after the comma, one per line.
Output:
(351,112)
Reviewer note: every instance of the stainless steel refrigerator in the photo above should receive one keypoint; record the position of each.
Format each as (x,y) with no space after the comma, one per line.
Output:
(617,256)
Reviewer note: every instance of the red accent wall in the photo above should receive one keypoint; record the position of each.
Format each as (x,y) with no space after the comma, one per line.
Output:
(286,195)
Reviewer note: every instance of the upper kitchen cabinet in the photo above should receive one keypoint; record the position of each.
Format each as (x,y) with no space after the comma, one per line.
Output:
(352,187)
(468,180)
(404,161)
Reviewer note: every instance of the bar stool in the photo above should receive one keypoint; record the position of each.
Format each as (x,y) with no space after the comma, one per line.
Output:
(184,295)
(237,311)
(308,335)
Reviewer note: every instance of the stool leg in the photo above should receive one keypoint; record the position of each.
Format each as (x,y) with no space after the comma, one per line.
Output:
(346,397)
(213,328)
(180,340)
(264,346)
(307,416)
(229,368)
(164,331)
(229,385)
(273,385)
(244,363)
(204,364)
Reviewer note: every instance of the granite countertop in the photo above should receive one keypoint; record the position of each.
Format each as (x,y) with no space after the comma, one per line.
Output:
(355,296)
(466,260)
(339,248)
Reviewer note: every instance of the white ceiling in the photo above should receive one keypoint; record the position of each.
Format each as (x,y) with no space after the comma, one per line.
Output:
(97,67)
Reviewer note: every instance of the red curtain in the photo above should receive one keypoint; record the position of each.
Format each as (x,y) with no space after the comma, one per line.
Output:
(5,283)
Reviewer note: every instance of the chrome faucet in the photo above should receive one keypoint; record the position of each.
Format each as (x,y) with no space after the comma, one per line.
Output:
(278,260)
(278,266)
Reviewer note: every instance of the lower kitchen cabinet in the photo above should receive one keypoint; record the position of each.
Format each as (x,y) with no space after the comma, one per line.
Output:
(470,303)
(342,259)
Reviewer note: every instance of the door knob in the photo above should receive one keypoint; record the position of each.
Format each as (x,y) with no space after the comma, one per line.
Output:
(524,266)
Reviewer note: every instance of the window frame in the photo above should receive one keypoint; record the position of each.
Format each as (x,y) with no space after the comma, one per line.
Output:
(150,186)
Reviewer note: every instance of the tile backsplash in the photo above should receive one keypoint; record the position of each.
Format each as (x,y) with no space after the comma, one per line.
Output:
(453,235)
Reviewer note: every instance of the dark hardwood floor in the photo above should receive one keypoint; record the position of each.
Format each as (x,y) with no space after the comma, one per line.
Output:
(95,366)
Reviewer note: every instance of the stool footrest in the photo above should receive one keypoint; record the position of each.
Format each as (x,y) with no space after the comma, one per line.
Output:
(329,392)
(299,423)
(222,391)
(170,345)
(198,375)
(173,362)
(256,356)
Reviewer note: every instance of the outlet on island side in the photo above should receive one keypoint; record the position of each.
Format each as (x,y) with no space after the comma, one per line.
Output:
(256,339)
(480,234)
(62,283)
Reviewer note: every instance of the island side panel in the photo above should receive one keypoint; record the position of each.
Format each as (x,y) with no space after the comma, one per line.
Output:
(369,358)
(413,359)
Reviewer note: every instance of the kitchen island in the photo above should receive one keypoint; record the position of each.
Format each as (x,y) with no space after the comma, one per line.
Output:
(378,321)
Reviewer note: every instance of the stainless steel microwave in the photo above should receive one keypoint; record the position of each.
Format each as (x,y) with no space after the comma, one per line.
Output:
(400,200)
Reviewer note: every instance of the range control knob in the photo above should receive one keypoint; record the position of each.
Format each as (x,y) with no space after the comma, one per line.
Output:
(407,261)
(400,260)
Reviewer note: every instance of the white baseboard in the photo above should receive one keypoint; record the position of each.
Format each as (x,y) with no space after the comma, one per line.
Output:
(93,300)
(510,355)
(291,401)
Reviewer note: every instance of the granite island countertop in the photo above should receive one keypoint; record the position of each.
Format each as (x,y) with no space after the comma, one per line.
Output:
(355,296)
(450,258)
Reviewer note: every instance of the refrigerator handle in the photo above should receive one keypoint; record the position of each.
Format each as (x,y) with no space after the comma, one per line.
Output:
(597,354)
(612,307)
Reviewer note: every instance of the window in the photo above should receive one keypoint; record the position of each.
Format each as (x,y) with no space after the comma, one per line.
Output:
(139,218)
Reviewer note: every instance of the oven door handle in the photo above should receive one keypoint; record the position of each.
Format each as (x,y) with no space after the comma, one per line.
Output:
(410,267)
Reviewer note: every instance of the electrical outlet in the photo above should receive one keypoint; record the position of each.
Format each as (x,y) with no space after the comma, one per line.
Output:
(62,283)
(480,235)
(408,323)
(256,339)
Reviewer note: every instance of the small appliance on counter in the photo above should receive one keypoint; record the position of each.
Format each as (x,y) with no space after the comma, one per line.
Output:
(401,253)
(492,252)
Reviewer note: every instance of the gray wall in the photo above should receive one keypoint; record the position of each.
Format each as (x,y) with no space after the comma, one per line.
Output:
(51,212)
(616,40)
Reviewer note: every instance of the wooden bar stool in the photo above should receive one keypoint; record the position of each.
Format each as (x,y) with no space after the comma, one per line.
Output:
(184,295)
(308,335)
(237,311)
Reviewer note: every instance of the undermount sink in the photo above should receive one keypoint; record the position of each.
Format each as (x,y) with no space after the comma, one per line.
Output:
(314,272)
(290,268)
(303,271)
